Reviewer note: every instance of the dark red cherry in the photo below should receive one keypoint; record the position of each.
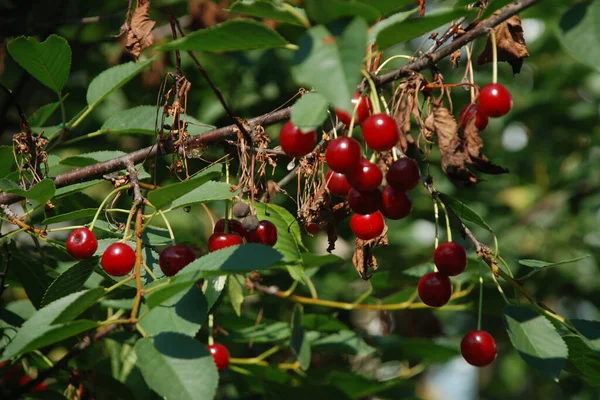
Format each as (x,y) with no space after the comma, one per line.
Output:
(395,204)
(173,258)
(404,174)
(40,387)
(450,258)
(367,226)
(435,289)
(343,154)
(218,241)
(234,226)
(82,243)
(337,183)
(470,111)
(478,348)
(118,259)
(296,143)
(220,354)
(362,112)
(312,228)
(495,100)
(380,132)
(364,202)
(366,177)
(265,233)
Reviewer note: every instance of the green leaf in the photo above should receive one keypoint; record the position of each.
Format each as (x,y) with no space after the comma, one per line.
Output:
(385,7)
(49,61)
(310,111)
(463,211)
(268,9)
(299,344)
(399,297)
(325,11)
(210,191)
(85,159)
(70,216)
(289,237)
(395,347)
(347,342)
(41,115)
(322,323)
(213,287)
(183,313)
(330,61)
(177,367)
(235,289)
(390,21)
(78,187)
(32,276)
(70,281)
(231,35)
(312,260)
(585,361)
(590,330)
(112,79)
(536,340)
(40,192)
(545,264)
(263,333)
(7,161)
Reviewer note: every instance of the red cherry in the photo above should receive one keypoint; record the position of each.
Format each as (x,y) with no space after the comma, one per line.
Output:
(173,258)
(367,226)
(265,233)
(364,202)
(234,226)
(478,348)
(296,143)
(218,241)
(495,100)
(312,228)
(343,154)
(40,387)
(82,243)
(380,132)
(362,112)
(470,111)
(366,177)
(450,258)
(404,174)
(337,183)
(435,289)
(220,354)
(118,259)
(395,204)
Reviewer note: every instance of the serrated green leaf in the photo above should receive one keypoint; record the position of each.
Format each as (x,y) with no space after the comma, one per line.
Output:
(386,7)
(590,331)
(40,192)
(585,361)
(49,61)
(41,115)
(235,289)
(33,278)
(325,11)
(177,367)
(231,35)
(70,281)
(70,216)
(312,260)
(76,188)
(538,264)
(112,79)
(298,343)
(390,21)
(210,191)
(213,287)
(289,237)
(268,9)
(310,111)
(263,333)
(464,212)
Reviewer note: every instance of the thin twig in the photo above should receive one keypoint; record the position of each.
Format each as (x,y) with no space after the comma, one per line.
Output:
(135,184)
(7,262)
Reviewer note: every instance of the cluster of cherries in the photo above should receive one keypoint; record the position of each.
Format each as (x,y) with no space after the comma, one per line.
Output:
(15,376)
(494,101)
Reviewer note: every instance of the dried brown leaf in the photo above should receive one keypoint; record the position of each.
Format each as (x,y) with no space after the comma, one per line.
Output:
(474,144)
(421,4)
(207,13)
(510,43)
(138,30)
(363,258)
(455,58)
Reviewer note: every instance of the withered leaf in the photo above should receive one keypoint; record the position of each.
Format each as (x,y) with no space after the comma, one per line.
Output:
(455,58)
(363,258)
(139,29)
(421,4)
(510,43)
(474,144)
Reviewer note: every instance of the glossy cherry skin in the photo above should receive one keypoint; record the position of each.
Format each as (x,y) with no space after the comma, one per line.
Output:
(470,111)
(174,258)
(40,387)
(118,259)
(404,174)
(82,243)
(380,132)
(265,233)
(364,202)
(395,204)
(450,258)
(368,226)
(337,183)
(234,226)
(366,177)
(362,112)
(435,289)
(296,143)
(312,229)
(220,354)
(343,155)
(478,348)
(218,241)
(495,100)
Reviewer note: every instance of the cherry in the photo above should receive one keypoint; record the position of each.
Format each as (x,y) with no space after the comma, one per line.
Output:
(450,258)
(218,241)
(478,348)
(337,183)
(312,228)
(366,177)
(435,289)
(40,387)
(265,233)
(364,202)
(470,111)
(362,112)
(82,243)
(367,226)
(404,174)
(343,154)
(118,259)
(173,258)
(495,100)
(220,354)
(296,143)
(380,132)
(233,226)
(395,204)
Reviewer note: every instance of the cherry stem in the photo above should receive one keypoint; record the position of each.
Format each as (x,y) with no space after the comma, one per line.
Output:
(409,58)
(471,78)
(494,58)
(258,358)
(448,229)
(373,89)
(118,284)
(354,112)
(480,311)
(138,260)
(149,271)
(436,214)
(211,324)
(117,190)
